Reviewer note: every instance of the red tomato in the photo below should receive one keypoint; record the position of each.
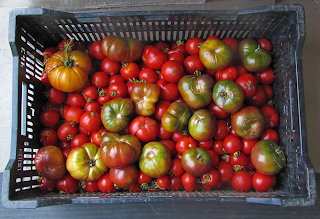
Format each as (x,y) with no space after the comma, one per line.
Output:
(193,45)
(67,184)
(118,90)
(79,140)
(105,184)
(168,91)
(185,143)
(262,182)
(217,111)
(271,116)
(242,181)
(90,186)
(210,179)
(241,69)
(218,147)
(161,108)
(93,106)
(171,145)
(97,135)
(104,96)
(208,144)
(96,50)
(233,43)
(259,98)
(230,73)
(135,187)
(265,77)
(48,136)
(175,183)
(270,134)
(47,53)
(56,97)
(143,178)
(247,145)
(116,78)
(180,46)
(212,37)
(163,134)
(129,70)
(90,93)
(176,55)
(265,44)
(49,118)
(189,182)
(153,57)
(47,185)
(149,75)
(193,64)
(176,167)
(269,91)
(65,145)
(214,157)
(238,161)
(225,171)
(90,121)
(176,136)
(66,44)
(100,79)
(110,67)
(232,144)
(65,153)
(67,131)
(145,128)
(172,71)
(124,176)
(211,72)
(76,99)
(248,83)
(163,182)
(163,46)
(222,129)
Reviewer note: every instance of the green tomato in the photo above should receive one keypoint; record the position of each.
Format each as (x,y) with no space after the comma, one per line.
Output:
(202,125)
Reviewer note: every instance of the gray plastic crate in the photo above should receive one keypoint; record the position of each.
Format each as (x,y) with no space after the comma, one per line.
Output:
(32,30)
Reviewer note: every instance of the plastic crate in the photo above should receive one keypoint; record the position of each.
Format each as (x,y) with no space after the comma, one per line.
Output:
(32,30)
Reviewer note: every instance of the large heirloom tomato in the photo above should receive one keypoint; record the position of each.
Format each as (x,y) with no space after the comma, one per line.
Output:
(121,49)
(68,70)
(176,117)
(202,125)
(119,150)
(267,157)
(228,95)
(84,163)
(49,162)
(215,54)
(253,57)
(196,91)
(145,96)
(115,114)
(248,122)
(155,159)
(196,161)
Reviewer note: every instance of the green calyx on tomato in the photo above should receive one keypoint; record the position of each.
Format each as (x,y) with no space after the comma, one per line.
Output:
(176,117)
(248,122)
(228,95)
(267,157)
(115,114)
(215,54)
(253,57)
(202,125)
(155,159)
(195,90)
(84,163)
(119,150)
(145,96)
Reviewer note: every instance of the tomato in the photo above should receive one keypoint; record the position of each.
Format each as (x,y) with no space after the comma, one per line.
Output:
(105,184)
(233,43)
(189,182)
(176,136)
(77,100)
(242,181)
(44,79)
(145,96)
(121,49)
(269,91)
(168,91)
(232,144)
(214,157)
(247,145)
(155,159)
(145,128)
(47,53)
(66,153)
(266,76)
(162,133)
(253,58)
(161,108)
(65,145)
(262,182)
(248,82)
(229,73)
(116,78)
(129,70)
(115,114)
(271,116)
(265,44)
(67,184)
(270,134)
(196,91)
(176,117)
(176,167)
(172,71)
(218,147)
(124,176)
(259,98)
(89,186)
(228,95)
(49,118)
(68,71)
(47,185)
(73,114)
(49,162)
(143,178)
(185,143)
(202,125)
(238,161)
(90,93)
(66,44)
(48,136)
(83,131)
(192,64)
(221,129)
(104,96)
(175,183)
(217,111)
(241,69)
(196,161)
(180,46)
(96,136)
(55,96)
(100,79)
(225,171)
(208,144)
(149,75)
(110,67)
(163,46)
(79,140)
(90,121)
(67,131)
(193,45)
(84,163)
(163,182)
(212,37)
(210,179)
(93,106)
(171,145)
(249,122)
(215,54)
(118,90)
(153,57)
(176,55)
(267,157)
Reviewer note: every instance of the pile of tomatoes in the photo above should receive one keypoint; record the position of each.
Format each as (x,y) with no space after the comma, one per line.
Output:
(120,115)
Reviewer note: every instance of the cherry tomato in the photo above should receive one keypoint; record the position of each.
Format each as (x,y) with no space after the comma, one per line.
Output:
(212,37)
(48,136)
(105,184)
(266,76)
(222,129)
(193,64)
(270,134)
(193,45)
(271,116)
(66,43)
(96,136)
(73,114)
(161,108)
(92,106)
(49,118)
(248,83)
(238,161)
(217,111)
(189,182)
(90,93)
(232,144)
(129,70)
(176,167)
(265,44)
(233,43)
(67,131)
(247,145)
(79,140)
(208,144)
(76,99)
(259,98)
(118,90)
(163,46)
(269,91)
(90,186)
(168,91)
(242,181)
(241,69)
(218,147)
(225,171)
(90,121)
(100,79)
(210,179)
(116,78)
(96,50)
(175,183)
(262,182)
(171,145)
(153,57)
(163,182)
(56,97)
(230,73)
(176,55)
(185,143)
(180,46)
(143,178)
(149,75)
(214,157)
(47,185)
(172,71)
(163,134)
(104,96)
